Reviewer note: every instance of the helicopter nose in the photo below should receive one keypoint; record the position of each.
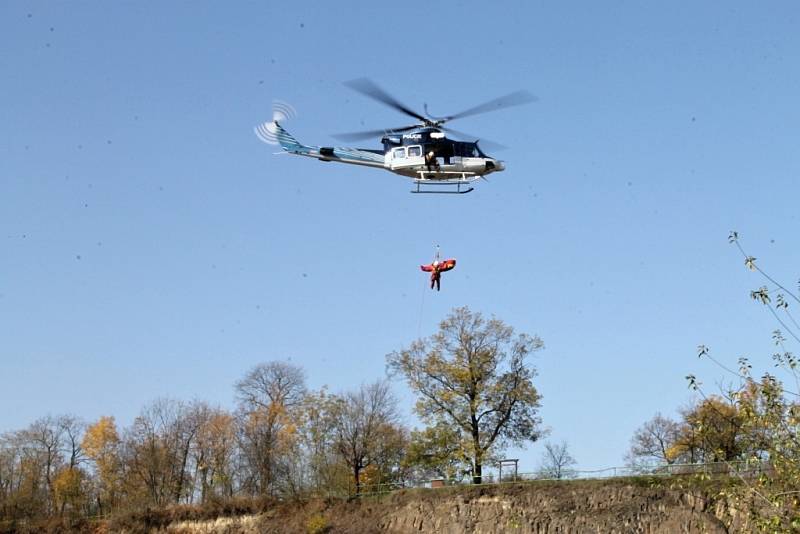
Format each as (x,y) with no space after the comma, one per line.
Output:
(494,165)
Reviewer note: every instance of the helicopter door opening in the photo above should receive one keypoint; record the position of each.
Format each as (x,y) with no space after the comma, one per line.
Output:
(405,157)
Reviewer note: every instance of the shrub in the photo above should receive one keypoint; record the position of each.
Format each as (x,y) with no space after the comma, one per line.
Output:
(317,524)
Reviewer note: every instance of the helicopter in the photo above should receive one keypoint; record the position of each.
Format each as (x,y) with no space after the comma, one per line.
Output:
(422,151)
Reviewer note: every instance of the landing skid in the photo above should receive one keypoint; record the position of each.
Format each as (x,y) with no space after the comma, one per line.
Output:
(459,184)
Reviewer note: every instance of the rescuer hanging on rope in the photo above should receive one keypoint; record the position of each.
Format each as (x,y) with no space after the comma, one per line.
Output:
(437,268)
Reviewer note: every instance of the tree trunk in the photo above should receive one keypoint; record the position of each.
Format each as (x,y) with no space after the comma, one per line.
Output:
(478,460)
(182,476)
(356,478)
(476,473)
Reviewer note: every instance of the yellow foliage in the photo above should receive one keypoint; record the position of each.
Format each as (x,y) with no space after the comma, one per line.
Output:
(99,437)
(317,524)
(674,452)
(370,475)
(67,485)
(101,442)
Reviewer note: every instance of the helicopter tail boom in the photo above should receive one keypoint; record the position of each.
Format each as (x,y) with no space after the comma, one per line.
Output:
(273,133)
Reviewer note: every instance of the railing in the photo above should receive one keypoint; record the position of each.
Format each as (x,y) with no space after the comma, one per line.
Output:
(735,468)
(738,469)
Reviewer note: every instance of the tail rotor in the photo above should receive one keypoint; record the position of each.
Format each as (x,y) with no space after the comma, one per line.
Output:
(267,132)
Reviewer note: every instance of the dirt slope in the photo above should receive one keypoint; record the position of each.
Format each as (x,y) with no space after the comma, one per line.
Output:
(618,506)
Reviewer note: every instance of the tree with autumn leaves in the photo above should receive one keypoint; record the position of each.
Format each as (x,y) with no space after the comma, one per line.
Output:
(474,388)
(101,444)
(712,430)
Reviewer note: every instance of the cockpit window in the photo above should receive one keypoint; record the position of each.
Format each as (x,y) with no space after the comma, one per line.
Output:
(414,151)
(468,150)
(399,153)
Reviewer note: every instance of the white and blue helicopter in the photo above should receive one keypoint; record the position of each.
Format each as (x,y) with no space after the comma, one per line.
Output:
(422,151)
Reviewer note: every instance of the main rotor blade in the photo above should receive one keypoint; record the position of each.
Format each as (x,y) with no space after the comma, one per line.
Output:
(367,87)
(516,98)
(484,143)
(371,134)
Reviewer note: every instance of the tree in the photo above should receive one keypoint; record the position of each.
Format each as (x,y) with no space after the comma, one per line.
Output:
(715,428)
(388,449)
(654,441)
(361,421)
(472,374)
(315,433)
(320,464)
(43,441)
(272,384)
(101,444)
(68,486)
(213,451)
(157,450)
(557,461)
(269,396)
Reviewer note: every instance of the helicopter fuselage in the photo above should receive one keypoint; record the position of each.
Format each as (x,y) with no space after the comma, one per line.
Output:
(427,154)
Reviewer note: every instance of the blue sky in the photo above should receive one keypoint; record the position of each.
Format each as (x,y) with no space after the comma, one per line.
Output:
(151,246)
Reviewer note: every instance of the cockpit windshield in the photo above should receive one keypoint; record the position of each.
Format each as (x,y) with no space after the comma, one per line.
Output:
(467,150)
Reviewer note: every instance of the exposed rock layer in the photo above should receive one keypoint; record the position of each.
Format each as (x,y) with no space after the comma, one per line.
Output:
(541,508)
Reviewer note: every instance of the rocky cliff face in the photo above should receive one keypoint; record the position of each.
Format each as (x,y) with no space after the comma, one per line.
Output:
(542,508)
(553,509)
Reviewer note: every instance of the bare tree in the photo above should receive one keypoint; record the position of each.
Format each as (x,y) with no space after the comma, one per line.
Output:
(43,441)
(272,384)
(360,422)
(72,429)
(157,449)
(557,461)
(654,441)
(269,395)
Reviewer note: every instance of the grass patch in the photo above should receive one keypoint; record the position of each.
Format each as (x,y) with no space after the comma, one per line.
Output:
(144,520)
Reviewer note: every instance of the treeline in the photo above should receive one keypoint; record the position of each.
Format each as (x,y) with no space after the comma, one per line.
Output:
(283,440)
(741,425)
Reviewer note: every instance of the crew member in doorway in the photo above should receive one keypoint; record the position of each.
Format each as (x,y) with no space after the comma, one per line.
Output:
(430,161)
